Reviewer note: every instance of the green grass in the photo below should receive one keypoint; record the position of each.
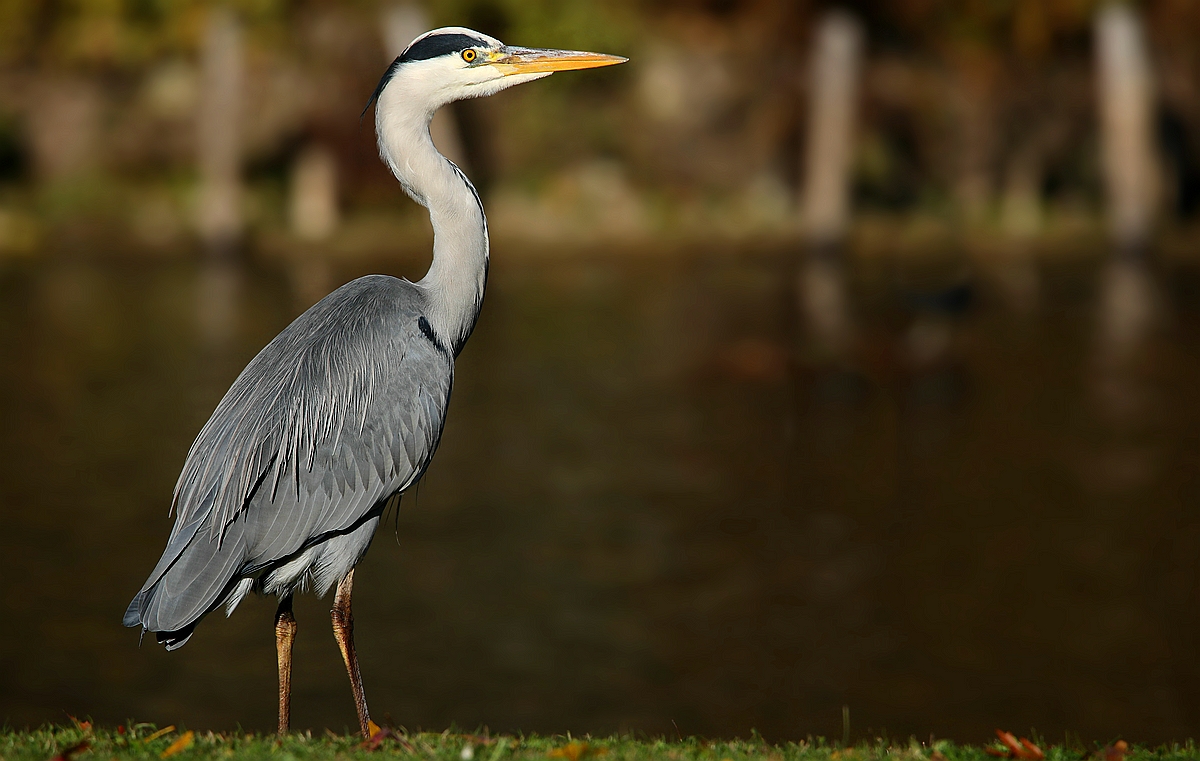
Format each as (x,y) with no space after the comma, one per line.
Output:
(145,742)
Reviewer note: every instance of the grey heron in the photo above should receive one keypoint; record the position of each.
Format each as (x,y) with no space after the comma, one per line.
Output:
(285,484)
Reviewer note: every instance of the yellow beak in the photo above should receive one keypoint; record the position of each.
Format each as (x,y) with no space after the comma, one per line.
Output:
(513,60)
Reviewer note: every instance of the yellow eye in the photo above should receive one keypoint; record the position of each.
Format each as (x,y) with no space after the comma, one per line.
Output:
(469,55)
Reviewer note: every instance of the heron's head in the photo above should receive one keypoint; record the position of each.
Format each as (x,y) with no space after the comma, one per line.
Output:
(455,63)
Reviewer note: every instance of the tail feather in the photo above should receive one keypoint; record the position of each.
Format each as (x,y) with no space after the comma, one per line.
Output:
(175,549)
(133,614)
(186,587)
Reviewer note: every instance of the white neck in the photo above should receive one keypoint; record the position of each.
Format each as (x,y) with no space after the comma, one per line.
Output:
(456,278)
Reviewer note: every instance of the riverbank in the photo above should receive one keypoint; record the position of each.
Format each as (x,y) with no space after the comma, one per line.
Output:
(84,742)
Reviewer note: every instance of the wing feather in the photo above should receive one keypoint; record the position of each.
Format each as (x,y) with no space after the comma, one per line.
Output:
(340,411)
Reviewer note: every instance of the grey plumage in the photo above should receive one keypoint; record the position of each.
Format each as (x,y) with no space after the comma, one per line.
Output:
(340,411)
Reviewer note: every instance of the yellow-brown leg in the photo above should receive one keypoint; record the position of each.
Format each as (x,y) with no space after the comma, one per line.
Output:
(343,632)
(285,635)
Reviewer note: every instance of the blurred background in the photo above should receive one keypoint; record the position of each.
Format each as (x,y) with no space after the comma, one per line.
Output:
(837,361)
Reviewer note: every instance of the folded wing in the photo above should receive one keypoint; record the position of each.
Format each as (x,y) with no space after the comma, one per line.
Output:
(340,411)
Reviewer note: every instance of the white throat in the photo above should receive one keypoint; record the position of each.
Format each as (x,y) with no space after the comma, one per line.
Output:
(455,281)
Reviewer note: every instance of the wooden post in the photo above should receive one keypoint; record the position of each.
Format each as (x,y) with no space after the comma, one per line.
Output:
(833,99)
(218,214)
(64,119)
(1125,91)
(1129,300)
(313,215)
(1021,219)
(312,202)
(825,198)
(219,140)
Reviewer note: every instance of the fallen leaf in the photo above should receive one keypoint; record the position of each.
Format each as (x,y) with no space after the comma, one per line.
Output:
(573,751)
(1009,740)
(1014,748)
(1116,751)
(372,728)
(160,733)
(65,755)
(180,745)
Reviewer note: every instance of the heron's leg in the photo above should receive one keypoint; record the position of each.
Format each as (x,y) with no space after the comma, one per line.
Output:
(343,632)
(285,635)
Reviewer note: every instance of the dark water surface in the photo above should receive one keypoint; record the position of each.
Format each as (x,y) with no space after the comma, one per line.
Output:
(644,512)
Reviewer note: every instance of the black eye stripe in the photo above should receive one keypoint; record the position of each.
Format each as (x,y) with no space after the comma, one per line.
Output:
(438,45)
(430,47)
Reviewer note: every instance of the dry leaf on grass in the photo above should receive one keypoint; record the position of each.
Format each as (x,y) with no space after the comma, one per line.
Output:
(1014,748)
(165,730)
(181,744)
(573,751)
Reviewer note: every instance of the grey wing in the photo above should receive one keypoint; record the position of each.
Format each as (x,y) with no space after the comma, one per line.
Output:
(340,411)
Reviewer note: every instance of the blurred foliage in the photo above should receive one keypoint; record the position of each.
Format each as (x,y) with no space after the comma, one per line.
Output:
(581,24)
(132,33)
(711,106)
(106,33)
(1030,29)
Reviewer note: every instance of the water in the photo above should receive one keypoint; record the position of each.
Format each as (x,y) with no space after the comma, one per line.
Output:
(643,514)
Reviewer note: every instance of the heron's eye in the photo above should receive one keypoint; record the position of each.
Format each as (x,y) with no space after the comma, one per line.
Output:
(469,55)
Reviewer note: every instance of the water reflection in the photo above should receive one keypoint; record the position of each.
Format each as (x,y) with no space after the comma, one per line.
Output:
(217,295)
(638,514)
(824,308)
